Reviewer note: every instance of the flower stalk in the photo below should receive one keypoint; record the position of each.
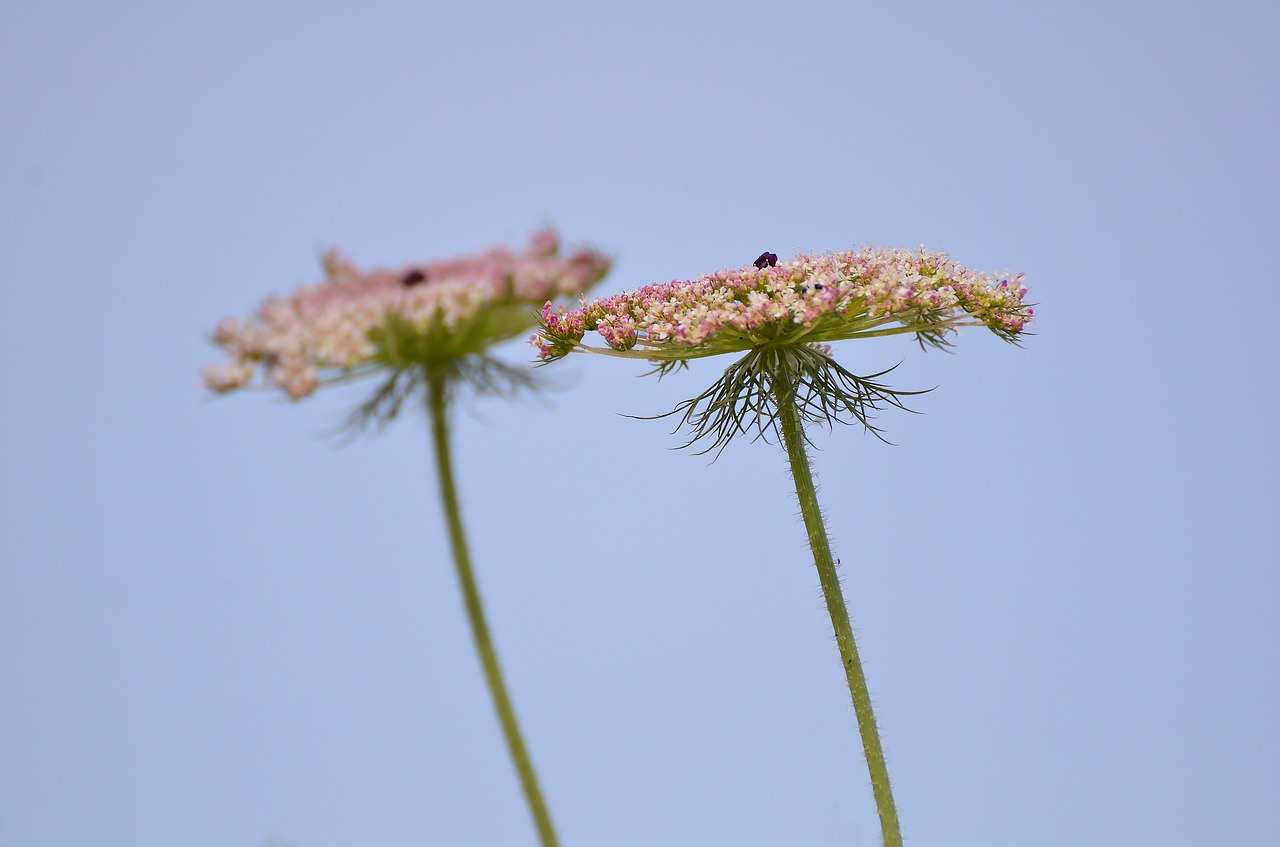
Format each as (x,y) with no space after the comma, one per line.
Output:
(437,402)
(788,418)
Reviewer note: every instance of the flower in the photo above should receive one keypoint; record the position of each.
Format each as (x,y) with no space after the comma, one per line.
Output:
(426,329)
(783,315)
(433,314)
(811,298)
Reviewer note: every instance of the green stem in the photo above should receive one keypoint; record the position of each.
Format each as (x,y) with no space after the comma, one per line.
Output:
(801,472)
(475,614)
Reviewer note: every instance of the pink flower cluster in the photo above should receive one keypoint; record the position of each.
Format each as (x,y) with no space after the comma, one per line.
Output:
(335,325)
(818,298)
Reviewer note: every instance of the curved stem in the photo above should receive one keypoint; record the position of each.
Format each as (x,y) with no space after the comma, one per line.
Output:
(475,614)
(801,473)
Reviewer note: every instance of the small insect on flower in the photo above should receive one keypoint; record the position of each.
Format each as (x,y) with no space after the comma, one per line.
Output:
(767,260)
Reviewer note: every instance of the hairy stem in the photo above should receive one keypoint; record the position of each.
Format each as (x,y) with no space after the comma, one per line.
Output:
(801,473)
(475,614)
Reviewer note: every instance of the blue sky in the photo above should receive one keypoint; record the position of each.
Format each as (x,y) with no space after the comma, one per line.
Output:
(216,628)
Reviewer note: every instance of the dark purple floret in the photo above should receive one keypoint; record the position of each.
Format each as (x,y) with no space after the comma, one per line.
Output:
(770,259)
(413,277)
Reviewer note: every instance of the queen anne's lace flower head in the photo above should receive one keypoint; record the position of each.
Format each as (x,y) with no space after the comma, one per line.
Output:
(435,313)
(783,316)
(810,299)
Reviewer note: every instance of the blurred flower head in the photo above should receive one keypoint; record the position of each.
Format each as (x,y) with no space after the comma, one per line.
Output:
(444,313)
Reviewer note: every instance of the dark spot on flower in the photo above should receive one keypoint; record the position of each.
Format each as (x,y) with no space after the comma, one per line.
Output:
(413,277)
(770,259)
(817,286)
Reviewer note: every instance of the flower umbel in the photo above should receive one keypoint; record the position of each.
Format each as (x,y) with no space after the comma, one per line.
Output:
(356,322)
(819,298)
(783,316)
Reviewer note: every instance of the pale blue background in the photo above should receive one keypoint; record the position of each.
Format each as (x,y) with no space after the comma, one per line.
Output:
(216,629)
